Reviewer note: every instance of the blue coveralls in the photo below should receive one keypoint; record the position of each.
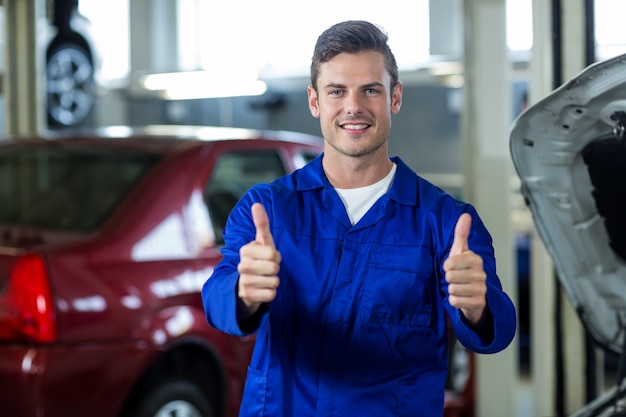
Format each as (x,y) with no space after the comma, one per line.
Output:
(358,326)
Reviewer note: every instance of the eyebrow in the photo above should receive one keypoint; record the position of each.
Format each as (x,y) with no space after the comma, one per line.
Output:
(369,85)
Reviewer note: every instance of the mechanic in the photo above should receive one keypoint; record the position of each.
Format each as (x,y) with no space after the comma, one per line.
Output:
(351,269)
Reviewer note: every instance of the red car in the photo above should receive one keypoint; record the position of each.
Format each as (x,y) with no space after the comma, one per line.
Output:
(105,241)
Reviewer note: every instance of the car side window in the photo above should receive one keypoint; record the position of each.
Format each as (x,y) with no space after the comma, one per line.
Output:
(234,174)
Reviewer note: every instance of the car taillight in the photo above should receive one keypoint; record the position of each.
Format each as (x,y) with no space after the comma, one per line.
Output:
(26,306)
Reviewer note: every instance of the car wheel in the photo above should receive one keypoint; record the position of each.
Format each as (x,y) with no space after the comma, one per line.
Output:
(70,84)
(174,399)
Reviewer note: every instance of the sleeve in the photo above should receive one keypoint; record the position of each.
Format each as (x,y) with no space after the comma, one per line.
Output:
(219,292)
(501,308)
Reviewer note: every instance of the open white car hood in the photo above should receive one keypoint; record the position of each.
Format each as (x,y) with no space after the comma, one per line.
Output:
(569,151)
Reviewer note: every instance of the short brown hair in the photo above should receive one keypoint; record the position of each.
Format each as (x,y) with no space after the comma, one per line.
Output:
(352,36)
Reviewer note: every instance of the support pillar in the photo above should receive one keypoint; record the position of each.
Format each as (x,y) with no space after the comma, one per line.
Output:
(487,164)
(24,84)
(153,41)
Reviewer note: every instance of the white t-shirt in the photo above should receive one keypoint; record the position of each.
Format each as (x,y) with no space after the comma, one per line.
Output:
(359,200)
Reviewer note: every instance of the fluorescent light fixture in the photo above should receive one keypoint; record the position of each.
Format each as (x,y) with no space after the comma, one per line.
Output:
(188,92)
(204,84)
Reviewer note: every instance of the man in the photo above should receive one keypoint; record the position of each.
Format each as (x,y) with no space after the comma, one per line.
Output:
(349,269)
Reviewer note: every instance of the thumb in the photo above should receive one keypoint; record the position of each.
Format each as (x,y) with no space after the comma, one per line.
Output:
(461,234)
(262,225)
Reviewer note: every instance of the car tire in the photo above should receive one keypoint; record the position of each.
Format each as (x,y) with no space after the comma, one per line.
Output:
(174,398)
(70,84)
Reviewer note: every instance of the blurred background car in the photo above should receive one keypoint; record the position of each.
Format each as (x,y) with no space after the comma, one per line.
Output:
(106,238)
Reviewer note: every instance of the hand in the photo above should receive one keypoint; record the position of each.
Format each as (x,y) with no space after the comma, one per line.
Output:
(258,265)
(467,280)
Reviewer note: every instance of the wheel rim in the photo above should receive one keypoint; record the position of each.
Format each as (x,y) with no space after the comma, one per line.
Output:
(70,86)
(178,408)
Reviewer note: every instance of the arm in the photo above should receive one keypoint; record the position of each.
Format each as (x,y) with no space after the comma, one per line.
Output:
(237,294)
(482,315)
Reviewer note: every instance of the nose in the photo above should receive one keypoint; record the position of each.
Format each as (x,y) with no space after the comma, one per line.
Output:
(353,103)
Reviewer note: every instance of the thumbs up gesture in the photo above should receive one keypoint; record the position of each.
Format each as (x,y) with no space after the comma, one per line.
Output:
(467,280)
(258,265)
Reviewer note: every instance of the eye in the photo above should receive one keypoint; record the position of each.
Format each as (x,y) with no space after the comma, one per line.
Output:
(335,92)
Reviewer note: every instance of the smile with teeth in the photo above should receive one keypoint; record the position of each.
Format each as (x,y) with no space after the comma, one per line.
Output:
(355,126)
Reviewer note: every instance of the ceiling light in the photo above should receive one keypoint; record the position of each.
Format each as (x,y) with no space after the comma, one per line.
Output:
(204,84)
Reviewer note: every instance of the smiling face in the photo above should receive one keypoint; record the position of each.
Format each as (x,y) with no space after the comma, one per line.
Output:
(354,104)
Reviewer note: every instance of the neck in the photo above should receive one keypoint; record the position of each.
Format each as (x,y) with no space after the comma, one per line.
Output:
(355,172)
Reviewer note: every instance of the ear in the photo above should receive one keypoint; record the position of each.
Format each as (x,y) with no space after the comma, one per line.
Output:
(313,101)
(396,98)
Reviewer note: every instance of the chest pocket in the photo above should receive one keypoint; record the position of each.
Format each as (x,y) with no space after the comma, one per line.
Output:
(399,286)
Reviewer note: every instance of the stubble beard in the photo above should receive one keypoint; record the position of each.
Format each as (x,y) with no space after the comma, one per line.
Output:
(359,151)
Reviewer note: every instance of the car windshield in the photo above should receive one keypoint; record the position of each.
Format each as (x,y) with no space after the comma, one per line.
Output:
(69,188)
